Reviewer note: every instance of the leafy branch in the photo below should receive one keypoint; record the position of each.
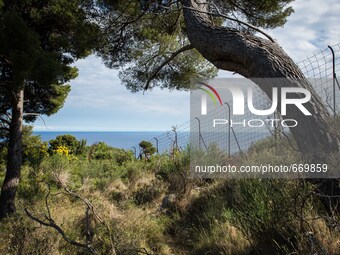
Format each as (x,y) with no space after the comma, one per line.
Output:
(165,62)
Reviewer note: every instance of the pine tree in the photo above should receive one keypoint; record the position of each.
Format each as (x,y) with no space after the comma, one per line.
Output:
(39,40)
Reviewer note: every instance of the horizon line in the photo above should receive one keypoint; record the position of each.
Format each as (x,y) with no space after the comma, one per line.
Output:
(100,130)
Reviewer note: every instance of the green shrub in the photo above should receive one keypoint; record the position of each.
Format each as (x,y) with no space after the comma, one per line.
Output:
(175,172)
(102,151)
(266,211)
(134,170)
(99,173)
(34,149)
(74,146)
(240,216)
(33,184)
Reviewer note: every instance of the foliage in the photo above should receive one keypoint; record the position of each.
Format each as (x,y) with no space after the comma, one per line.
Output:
(262,13)
(262,209)
(141,40)
(25,64)
(67,144)
(35,150)
(101,151)
(147,149)
(147,38)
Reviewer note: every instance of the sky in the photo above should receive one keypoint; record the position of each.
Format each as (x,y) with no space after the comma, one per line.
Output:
(98,101)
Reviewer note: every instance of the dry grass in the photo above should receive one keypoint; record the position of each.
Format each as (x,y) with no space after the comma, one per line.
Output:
(202,220)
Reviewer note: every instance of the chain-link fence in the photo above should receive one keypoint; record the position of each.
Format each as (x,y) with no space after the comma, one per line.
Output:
(321,67)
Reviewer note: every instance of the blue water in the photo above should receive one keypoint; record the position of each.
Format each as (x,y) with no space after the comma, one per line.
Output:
(128,140)
(124,140)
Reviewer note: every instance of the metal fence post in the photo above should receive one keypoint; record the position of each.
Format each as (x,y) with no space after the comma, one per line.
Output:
(156,144)
(199,133)
(176,139)
(334,80)
(200,138)
(229,127)
(238,145)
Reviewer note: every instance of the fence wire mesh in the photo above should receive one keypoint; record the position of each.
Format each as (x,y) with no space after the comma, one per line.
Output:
(322,67)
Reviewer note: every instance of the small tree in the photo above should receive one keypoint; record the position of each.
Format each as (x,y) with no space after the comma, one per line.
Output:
(147,149)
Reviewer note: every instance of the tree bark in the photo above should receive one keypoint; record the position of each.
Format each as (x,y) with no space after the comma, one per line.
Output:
(254,57)
(14,158)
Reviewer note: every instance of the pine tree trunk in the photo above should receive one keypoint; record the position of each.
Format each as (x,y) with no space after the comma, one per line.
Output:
(255,57)
(14,158)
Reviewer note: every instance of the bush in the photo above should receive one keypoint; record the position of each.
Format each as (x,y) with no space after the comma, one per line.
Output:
(102,151)
(35,150)
(265,211)
(175,172)
(32,185)
(74,146)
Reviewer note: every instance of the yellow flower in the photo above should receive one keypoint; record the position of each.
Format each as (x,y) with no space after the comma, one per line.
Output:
(64,151)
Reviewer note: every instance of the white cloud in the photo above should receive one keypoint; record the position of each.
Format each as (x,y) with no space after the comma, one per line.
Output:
(100,87)
(312,27)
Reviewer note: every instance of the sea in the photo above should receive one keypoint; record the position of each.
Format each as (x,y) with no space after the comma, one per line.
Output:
(130,140)
(117,139)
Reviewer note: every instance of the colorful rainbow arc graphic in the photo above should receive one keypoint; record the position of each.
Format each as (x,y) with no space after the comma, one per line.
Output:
(211,94)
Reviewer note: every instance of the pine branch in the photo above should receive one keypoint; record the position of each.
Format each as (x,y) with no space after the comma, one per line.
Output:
(35,114)
(165,62)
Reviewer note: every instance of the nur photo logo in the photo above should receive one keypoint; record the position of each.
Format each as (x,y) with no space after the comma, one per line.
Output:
(242,99)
